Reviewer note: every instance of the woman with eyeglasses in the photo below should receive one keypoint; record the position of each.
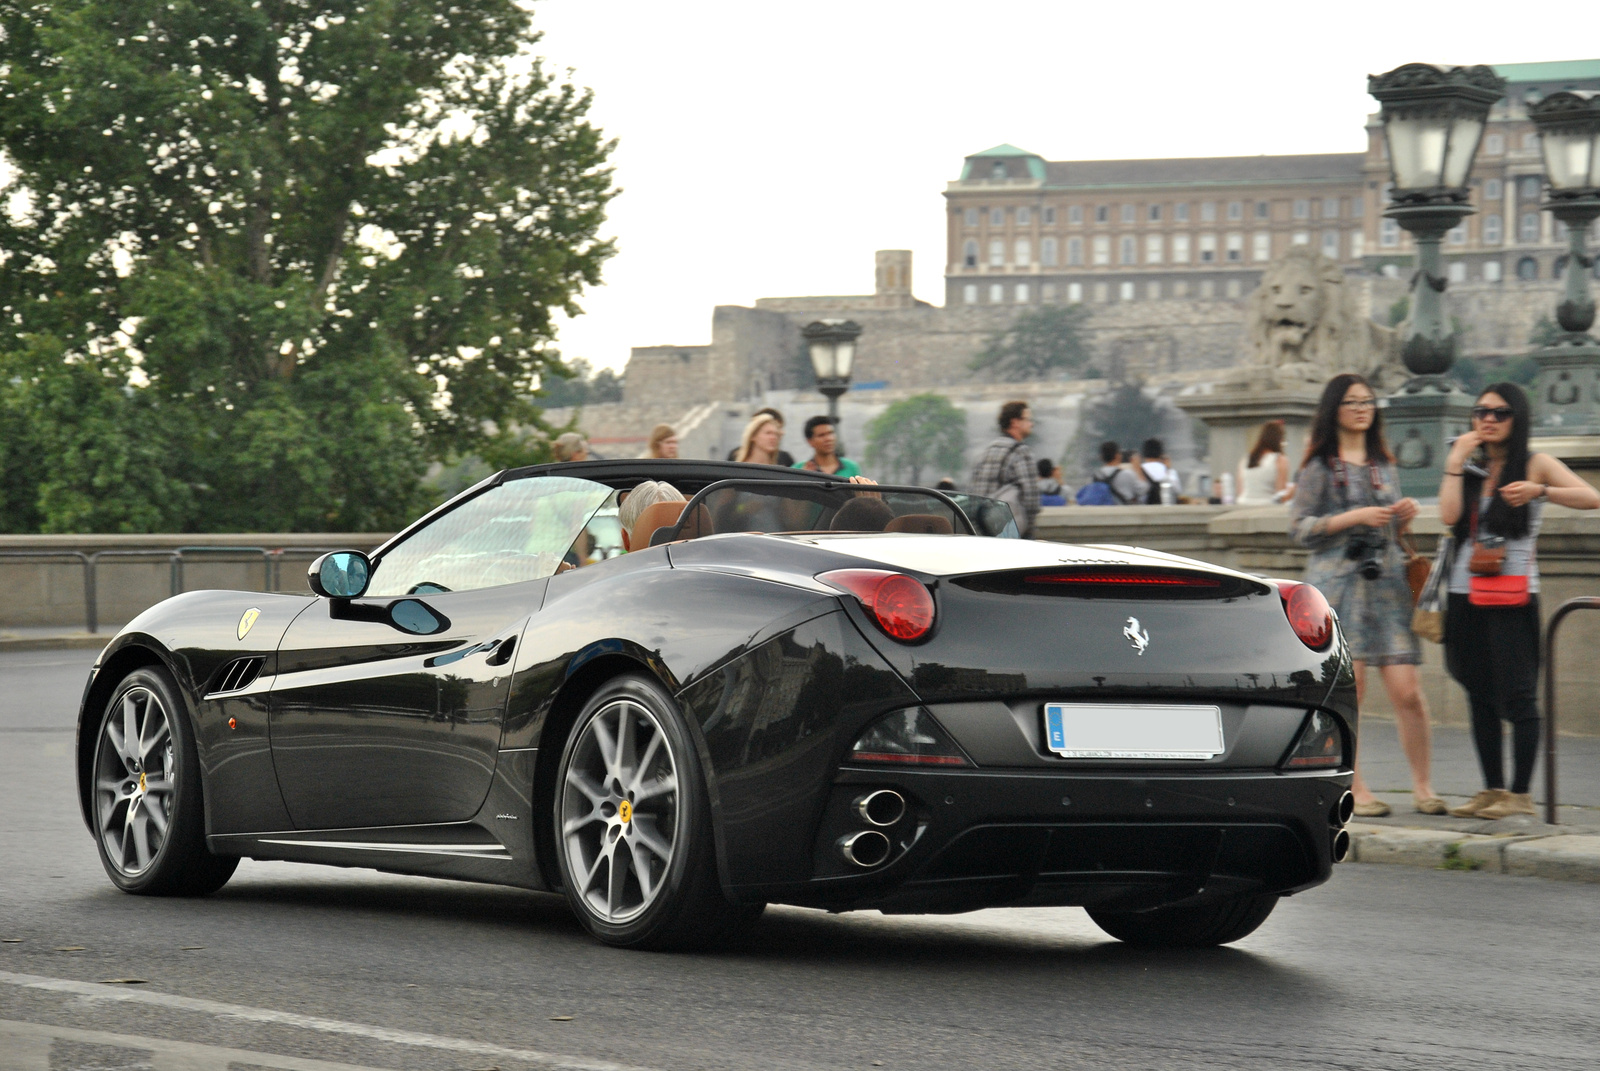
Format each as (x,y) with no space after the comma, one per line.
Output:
(1348,511)
(1493,494)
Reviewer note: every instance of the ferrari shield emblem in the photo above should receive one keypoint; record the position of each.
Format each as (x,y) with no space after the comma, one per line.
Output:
(248,620)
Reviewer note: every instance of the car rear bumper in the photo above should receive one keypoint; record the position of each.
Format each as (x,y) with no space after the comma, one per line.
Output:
(980,838)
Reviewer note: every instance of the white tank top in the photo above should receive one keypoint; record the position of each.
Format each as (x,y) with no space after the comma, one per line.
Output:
(1258,485)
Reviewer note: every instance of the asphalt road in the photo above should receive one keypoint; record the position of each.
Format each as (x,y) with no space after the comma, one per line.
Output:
(311,967)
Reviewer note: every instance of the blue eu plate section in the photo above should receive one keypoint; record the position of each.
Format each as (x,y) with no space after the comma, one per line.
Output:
(1133,731)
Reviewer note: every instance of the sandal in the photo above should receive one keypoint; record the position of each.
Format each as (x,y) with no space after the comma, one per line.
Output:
(1371,809)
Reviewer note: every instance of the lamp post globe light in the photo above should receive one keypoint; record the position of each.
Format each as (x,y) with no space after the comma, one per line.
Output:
(1433,119)
(1569,368)
(833,351)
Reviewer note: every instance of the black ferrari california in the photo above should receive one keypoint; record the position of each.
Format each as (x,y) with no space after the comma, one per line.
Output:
(793,690)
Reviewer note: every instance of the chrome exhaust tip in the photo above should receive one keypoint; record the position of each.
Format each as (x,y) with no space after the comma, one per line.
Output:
(1345,808)
(868,848)
(884,807)
(1341,845)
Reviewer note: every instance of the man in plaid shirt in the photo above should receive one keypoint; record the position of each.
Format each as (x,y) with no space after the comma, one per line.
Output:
(1006,469)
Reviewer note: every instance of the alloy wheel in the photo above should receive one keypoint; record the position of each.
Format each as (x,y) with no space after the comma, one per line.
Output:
(135,786)
(619,810)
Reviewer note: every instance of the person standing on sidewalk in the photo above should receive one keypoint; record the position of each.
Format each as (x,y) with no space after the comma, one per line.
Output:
(1493,494)
(1347,511)
(1006,469)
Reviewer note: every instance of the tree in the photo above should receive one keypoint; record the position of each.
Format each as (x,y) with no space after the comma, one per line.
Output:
(270,258)
(1124,414)
(1039,343)
(583,387)
(1545,331)
(916,433)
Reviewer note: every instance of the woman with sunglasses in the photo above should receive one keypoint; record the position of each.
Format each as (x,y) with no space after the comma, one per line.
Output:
(1493,494)
(1347,509)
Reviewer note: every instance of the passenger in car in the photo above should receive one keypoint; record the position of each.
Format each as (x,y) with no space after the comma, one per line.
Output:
(641,498)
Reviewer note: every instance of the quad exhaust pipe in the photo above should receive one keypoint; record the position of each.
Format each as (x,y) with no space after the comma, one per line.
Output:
(1344,809)
(882,808)
(1341,845)
(865,849)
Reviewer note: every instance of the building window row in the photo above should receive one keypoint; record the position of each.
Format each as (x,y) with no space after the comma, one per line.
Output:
(1100,292)
(1231,249)
(1210,211)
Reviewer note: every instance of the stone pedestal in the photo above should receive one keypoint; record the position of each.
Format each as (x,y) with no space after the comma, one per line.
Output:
(1580,453)
(1566,394)
(1419,420)
(1234,412)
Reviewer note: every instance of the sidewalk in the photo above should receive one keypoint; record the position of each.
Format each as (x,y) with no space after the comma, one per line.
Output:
(1524,845)
(24,638)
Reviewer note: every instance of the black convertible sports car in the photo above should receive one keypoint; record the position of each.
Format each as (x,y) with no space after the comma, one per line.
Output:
(794,689)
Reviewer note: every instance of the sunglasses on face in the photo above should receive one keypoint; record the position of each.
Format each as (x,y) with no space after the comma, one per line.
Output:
(1500,413)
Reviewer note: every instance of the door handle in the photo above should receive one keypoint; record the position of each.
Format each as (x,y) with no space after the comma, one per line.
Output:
(501,654)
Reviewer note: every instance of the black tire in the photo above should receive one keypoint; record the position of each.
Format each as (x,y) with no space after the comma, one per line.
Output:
(1203,925)
(683,906)
(156,787)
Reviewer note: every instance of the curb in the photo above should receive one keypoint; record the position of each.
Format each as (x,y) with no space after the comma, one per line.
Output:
(1560,856)
(68,641)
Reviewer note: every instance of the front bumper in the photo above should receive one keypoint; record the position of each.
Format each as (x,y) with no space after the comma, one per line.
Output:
(1126,839)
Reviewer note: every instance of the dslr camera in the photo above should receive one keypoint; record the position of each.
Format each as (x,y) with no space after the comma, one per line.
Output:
(1366,545)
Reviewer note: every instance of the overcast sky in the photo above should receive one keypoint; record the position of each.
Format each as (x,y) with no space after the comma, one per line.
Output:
(766,149)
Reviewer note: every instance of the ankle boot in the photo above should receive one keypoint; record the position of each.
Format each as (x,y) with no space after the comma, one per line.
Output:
(1473,808)
(1508,804)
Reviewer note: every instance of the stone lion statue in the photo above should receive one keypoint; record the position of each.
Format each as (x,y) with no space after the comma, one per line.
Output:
(1306,325)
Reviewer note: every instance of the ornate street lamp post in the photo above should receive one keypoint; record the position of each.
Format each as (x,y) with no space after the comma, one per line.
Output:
(1433,119)
(1569,368)
(833,351)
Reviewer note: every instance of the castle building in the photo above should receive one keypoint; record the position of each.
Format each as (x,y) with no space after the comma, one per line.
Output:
(1022,230)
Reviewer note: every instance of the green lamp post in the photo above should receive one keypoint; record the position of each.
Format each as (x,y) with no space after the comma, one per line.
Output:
(1433,120)
(1569,368)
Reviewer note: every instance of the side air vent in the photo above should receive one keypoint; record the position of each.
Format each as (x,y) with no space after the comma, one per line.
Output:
(237,674)
(1116,582)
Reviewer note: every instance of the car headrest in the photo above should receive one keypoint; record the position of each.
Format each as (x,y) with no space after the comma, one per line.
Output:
(652,517)
(922,524)
(695,527)
(862,514)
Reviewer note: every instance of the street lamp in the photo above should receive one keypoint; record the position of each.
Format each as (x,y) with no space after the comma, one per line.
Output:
(833,351)
(1433,119)
(1569,135)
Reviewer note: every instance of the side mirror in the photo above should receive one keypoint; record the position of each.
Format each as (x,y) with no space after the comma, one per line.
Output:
(342,574)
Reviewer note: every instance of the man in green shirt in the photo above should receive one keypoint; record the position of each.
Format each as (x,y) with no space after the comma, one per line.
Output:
(824,442)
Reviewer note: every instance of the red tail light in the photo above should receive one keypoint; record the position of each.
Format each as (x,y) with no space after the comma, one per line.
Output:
(901,605)
(1308,613)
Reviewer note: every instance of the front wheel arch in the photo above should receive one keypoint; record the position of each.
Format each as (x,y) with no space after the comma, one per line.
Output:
(122,662)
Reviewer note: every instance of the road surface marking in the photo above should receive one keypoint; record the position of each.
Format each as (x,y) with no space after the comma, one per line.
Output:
(26,1047)
(96,991)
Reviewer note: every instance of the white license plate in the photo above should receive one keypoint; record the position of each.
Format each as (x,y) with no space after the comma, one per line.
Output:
(1132,731)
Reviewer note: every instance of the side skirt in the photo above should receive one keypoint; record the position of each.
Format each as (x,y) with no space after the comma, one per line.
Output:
(495,846)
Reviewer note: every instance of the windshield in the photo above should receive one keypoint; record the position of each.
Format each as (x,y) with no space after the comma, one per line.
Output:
(773,506)
(516,531)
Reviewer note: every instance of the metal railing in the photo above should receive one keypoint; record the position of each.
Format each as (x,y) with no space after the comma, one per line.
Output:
(271,567)
(1582,602)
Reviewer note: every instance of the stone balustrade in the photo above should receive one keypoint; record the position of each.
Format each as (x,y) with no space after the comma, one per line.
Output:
(50,593)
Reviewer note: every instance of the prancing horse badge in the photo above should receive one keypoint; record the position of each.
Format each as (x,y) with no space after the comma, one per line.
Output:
(1139,637)
(247,620)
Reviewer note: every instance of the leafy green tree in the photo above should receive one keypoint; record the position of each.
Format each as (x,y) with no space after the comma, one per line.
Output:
(583,387)
(1399,310)
(1124,414)
(1545,331)
(265,259)
(922,432)
(1039,343)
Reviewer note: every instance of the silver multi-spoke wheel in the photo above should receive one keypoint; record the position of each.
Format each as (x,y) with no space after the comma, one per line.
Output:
(620,810)
(135,781)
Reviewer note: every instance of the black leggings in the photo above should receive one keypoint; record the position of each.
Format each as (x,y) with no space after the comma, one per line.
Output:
(1494,653)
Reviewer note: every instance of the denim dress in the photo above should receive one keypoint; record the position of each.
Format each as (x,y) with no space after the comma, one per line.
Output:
(1375,614)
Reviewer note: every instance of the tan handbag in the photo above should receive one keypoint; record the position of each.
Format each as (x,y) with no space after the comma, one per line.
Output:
(1427,617)
(1417,568)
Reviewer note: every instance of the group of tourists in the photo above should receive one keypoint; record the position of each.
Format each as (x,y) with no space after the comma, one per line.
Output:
(1348,511)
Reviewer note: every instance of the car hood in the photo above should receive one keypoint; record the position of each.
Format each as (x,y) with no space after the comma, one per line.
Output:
(944,555)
